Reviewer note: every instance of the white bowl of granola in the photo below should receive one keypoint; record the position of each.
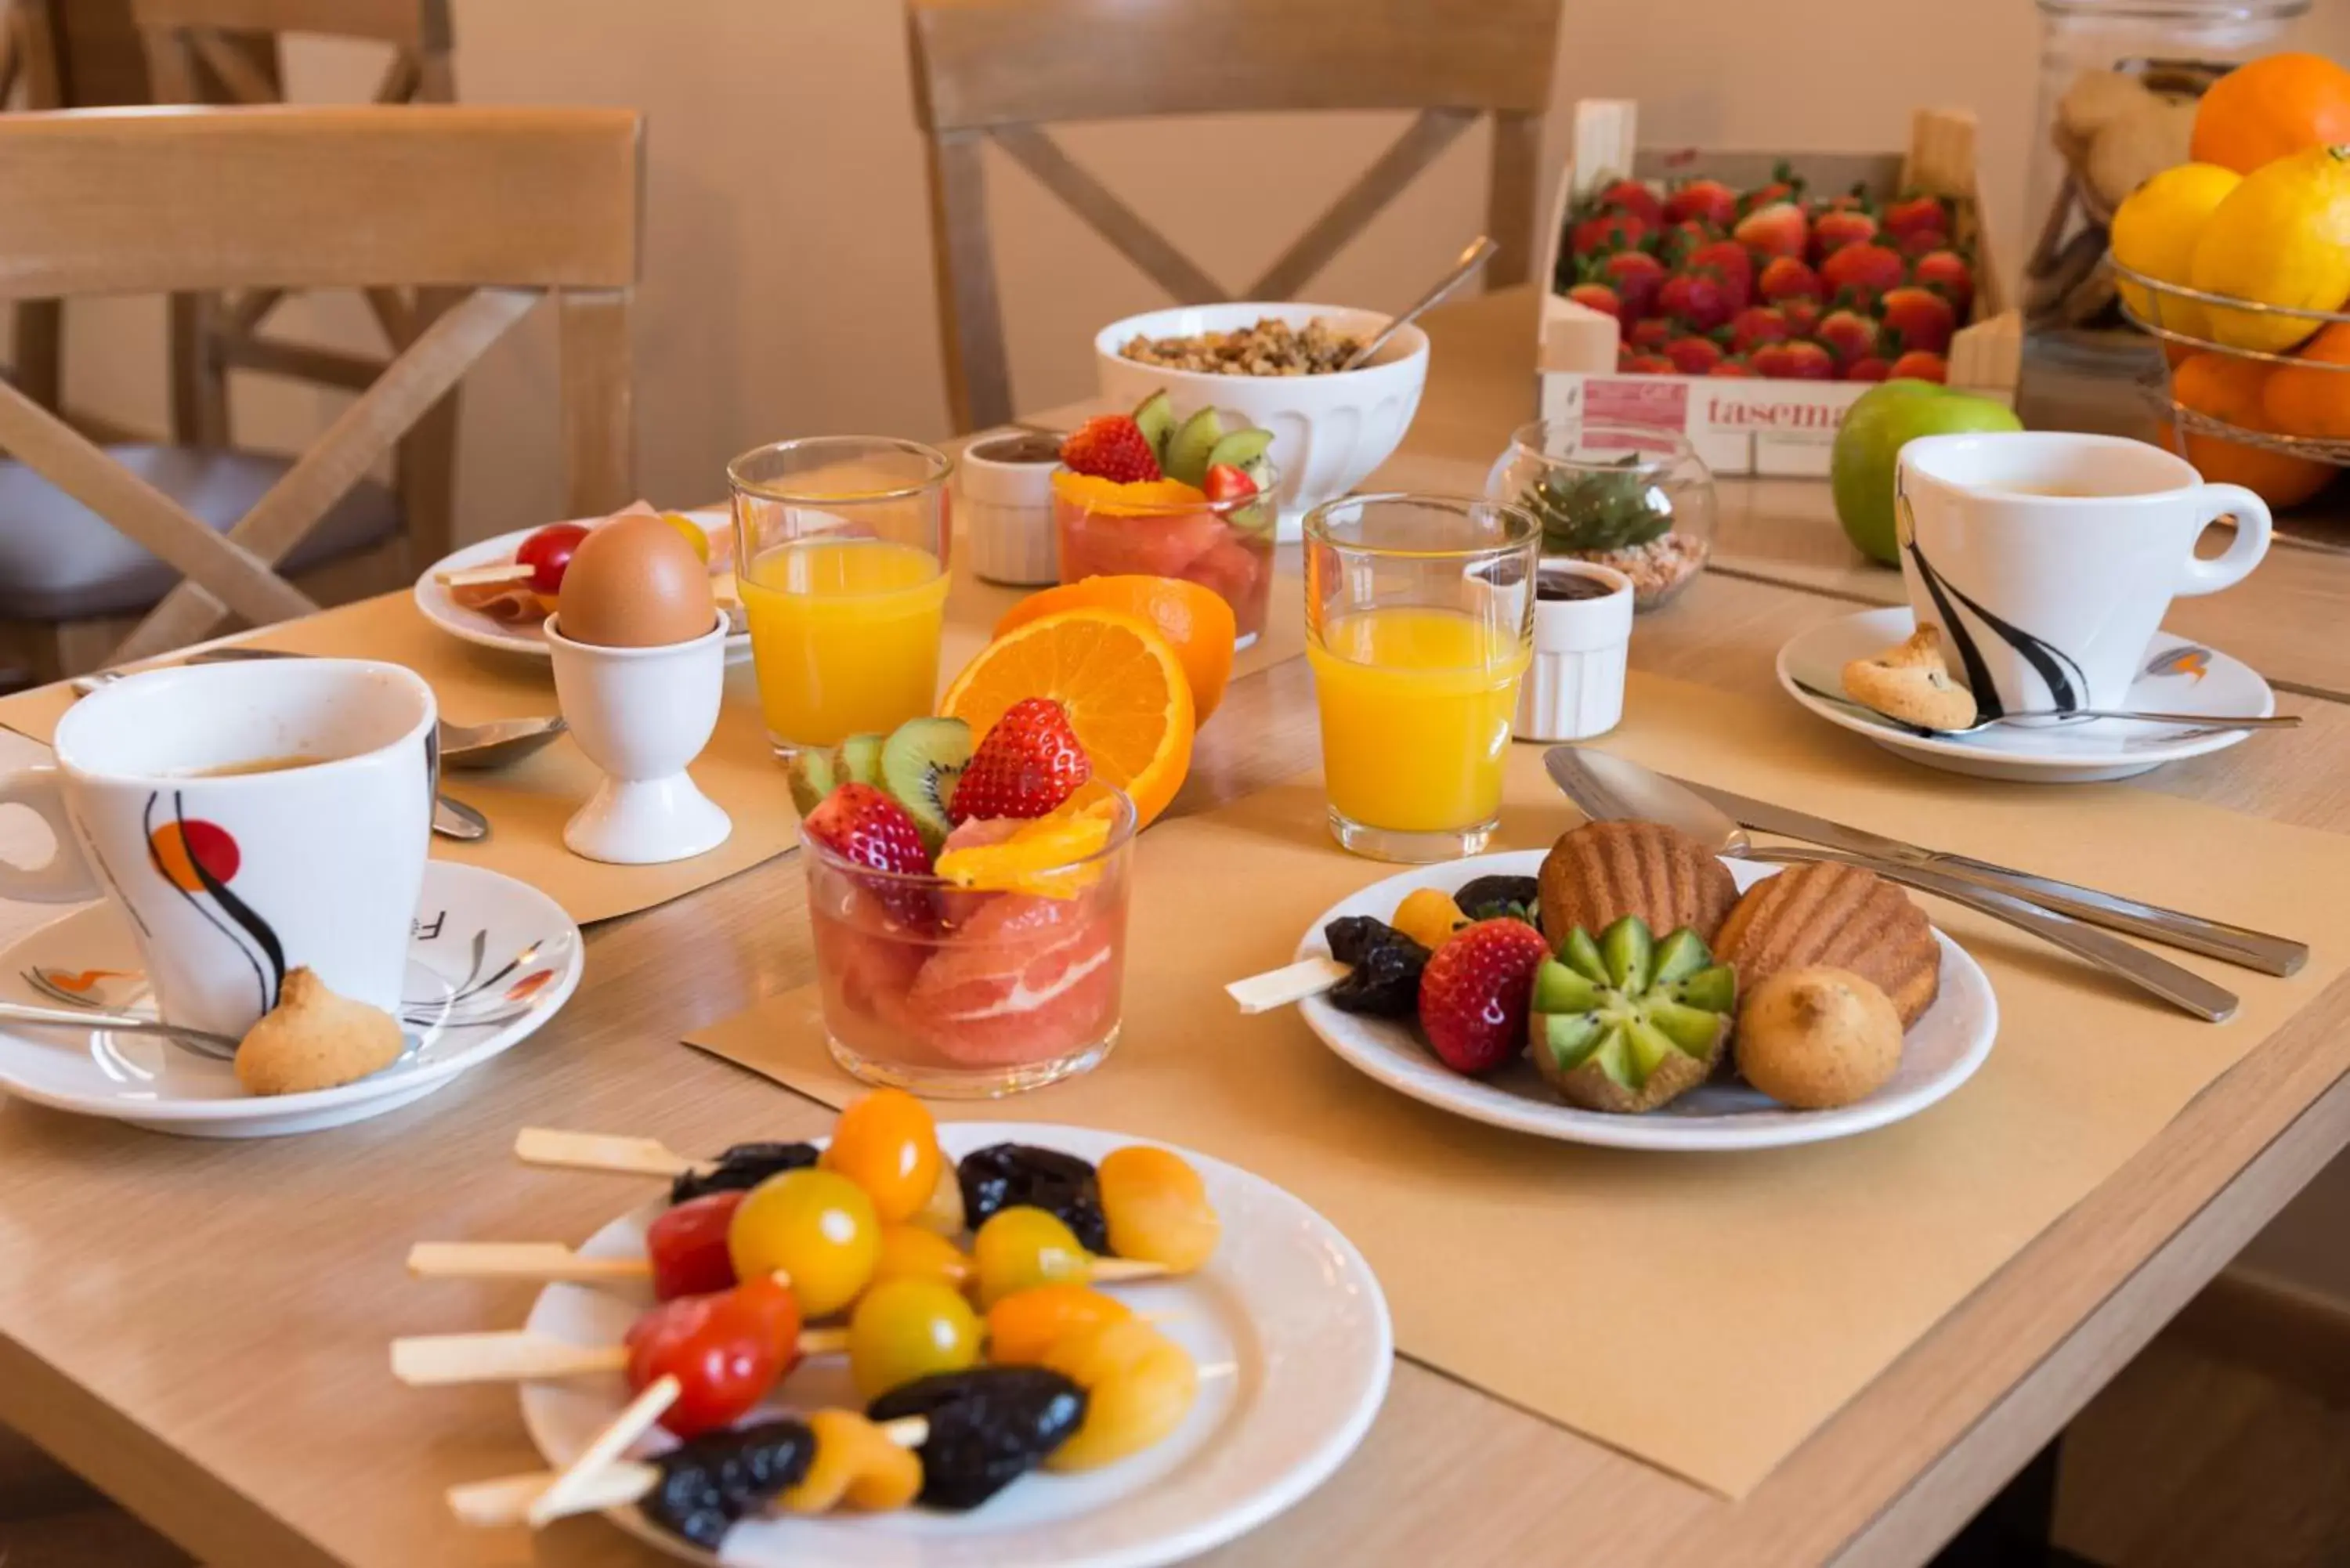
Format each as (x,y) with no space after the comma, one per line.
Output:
(1330,428)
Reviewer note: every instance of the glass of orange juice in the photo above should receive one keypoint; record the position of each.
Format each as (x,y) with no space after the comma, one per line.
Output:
(840,551)
(1418,626)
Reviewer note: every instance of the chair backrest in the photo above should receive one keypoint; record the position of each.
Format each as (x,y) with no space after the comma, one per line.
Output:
(29,80)
(996,69)
(499,207)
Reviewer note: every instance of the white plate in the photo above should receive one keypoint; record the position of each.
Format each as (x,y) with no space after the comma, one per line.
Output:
(489,631)
(2177,677)
(489,960)
(1941,1051)
(1287,1302)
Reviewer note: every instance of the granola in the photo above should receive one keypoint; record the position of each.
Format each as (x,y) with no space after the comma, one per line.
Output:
(1268,348)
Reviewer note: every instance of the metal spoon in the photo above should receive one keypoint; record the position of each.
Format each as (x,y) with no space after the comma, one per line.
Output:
(1609,788)
(2200,722)
(202,1041)
(1472,260)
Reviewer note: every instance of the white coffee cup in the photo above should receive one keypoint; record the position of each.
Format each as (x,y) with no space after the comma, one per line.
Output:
(231,879)
(2049,557)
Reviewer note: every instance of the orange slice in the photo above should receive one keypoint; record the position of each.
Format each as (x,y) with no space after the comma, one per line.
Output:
(1191,616)
(1121,681)
(1090,490)
(1032,860)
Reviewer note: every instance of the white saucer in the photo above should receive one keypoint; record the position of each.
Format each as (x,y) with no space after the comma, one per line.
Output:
(1286,1301)
(2177,677)
(489,960)
(1941,1052)
(488,631)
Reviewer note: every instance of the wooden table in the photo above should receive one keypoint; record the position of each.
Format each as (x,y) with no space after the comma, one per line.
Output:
(201,1328)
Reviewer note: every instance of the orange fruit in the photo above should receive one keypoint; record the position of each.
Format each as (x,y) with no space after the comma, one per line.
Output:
(2230,389)
(2267,108)
(1191,616)
(2313,402)
(1121,681)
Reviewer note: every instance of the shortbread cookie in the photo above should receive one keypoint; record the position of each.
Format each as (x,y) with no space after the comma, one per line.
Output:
(1911,683)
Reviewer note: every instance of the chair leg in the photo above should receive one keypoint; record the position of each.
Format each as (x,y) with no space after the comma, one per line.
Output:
(40,351)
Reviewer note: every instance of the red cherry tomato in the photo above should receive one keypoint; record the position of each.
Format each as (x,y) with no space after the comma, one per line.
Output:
(1225,483)
(688,1247)
(547,553)
(722,1349)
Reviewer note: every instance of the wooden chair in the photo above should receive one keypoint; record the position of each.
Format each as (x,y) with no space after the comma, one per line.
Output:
(29,80)
(500,205)
(995,71)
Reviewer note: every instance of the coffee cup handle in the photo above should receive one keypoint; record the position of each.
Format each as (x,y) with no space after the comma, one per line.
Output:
(67,878)
(2234,563)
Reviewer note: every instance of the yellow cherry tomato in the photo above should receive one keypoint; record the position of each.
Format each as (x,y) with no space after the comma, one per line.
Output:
(695,534)
(816,1226)
(887,1145)
(910,1252)
(905,1329)
(1139,1386)
(1025,1325)
(1157,1208)
(855,1463)
(1019,1247)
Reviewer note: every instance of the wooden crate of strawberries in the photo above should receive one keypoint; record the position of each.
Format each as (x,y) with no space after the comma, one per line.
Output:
(1748,298)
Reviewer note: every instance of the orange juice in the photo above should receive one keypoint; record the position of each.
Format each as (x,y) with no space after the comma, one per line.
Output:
(1416,705)
(845,636)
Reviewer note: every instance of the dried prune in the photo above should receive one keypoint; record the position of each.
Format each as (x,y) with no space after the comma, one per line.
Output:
(1011,1175)
(1500,899)
(741,1168)
(1383,981)
(989,1426)
(710,1482)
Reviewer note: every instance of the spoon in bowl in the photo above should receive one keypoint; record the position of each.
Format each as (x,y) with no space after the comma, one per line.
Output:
(1472,260)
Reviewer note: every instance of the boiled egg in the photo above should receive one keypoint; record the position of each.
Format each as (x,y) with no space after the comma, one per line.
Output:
(635,582)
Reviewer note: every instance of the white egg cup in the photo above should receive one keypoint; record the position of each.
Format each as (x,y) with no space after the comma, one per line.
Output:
(643,714)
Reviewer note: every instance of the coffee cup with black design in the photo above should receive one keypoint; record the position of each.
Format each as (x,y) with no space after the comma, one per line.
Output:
(2049,557)
(248,819)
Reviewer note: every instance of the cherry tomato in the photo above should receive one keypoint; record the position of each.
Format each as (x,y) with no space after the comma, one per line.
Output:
(1021,1247)
(905,1329)
(720,1349)
(695,534)
(910,1252)
(548,553)
(1225,483)
(887,1145)
(1157,1208)
(815,1226)
(1025,1325)
(688,1246)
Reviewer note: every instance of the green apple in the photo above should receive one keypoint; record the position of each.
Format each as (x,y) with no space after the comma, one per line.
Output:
(1879,423)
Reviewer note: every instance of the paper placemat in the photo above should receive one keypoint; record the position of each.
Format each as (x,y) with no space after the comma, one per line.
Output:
(1703,1312)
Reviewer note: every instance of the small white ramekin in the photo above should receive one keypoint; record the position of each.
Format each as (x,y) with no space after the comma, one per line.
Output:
(1007,508)
(1574,690)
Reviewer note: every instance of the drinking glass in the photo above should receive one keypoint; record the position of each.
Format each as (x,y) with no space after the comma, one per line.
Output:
(1633,497)
(840,548)
(1418,624)
(1108,530)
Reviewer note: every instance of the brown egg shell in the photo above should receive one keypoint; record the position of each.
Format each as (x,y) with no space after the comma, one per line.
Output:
(635,583)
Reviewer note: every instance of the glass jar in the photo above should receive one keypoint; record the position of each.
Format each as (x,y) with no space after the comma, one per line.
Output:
(1634,497)
(2094,138)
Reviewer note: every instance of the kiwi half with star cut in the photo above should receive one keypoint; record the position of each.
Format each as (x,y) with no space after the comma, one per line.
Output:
(1624,1023)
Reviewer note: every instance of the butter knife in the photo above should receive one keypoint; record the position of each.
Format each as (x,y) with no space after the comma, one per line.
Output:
(2233,944)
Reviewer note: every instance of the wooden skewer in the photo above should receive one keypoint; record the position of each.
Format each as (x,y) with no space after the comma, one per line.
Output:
(433,1360)
(474,577)
(1289,984)
(519,1261)
(575,1480)
(600,1151)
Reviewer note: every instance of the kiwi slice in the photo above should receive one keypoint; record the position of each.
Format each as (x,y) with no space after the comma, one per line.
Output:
(1155,418)
(1188,448)
(1240,448)
(920,762)
(811,776)
(858,761)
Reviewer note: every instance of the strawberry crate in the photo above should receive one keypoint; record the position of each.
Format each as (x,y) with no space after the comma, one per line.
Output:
(1759,423)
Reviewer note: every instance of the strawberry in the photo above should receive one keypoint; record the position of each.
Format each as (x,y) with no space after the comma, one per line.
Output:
(1706,201)
(1802,315)
(1784,278)
(1652,334)
(1729,258)
(1919,320)
(1847,333)
(868,827)
(1026,765)
(1799,361)
(1597,297)
(1633,197)
(1872,368)
(1924,242)
(1635,276)
(1474,991)
(1757,324)
(1947,272)
(1732,367)
(1648,364)
(1869,268)
(1701,300)
(1783,186)
(1777,230)
(1112,446)
(1853,201)
(1915,214)
(1605,232)
(1680,242)
(1919,366)
(1831,231)
(1693,355)
(1223,482)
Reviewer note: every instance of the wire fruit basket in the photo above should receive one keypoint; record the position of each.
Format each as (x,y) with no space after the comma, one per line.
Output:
(2178,317)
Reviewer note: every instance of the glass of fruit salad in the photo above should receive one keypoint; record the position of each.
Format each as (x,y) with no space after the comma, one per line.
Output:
(1418,626)
(968,904)
(1146,493)
(1633,497)
(841,552)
